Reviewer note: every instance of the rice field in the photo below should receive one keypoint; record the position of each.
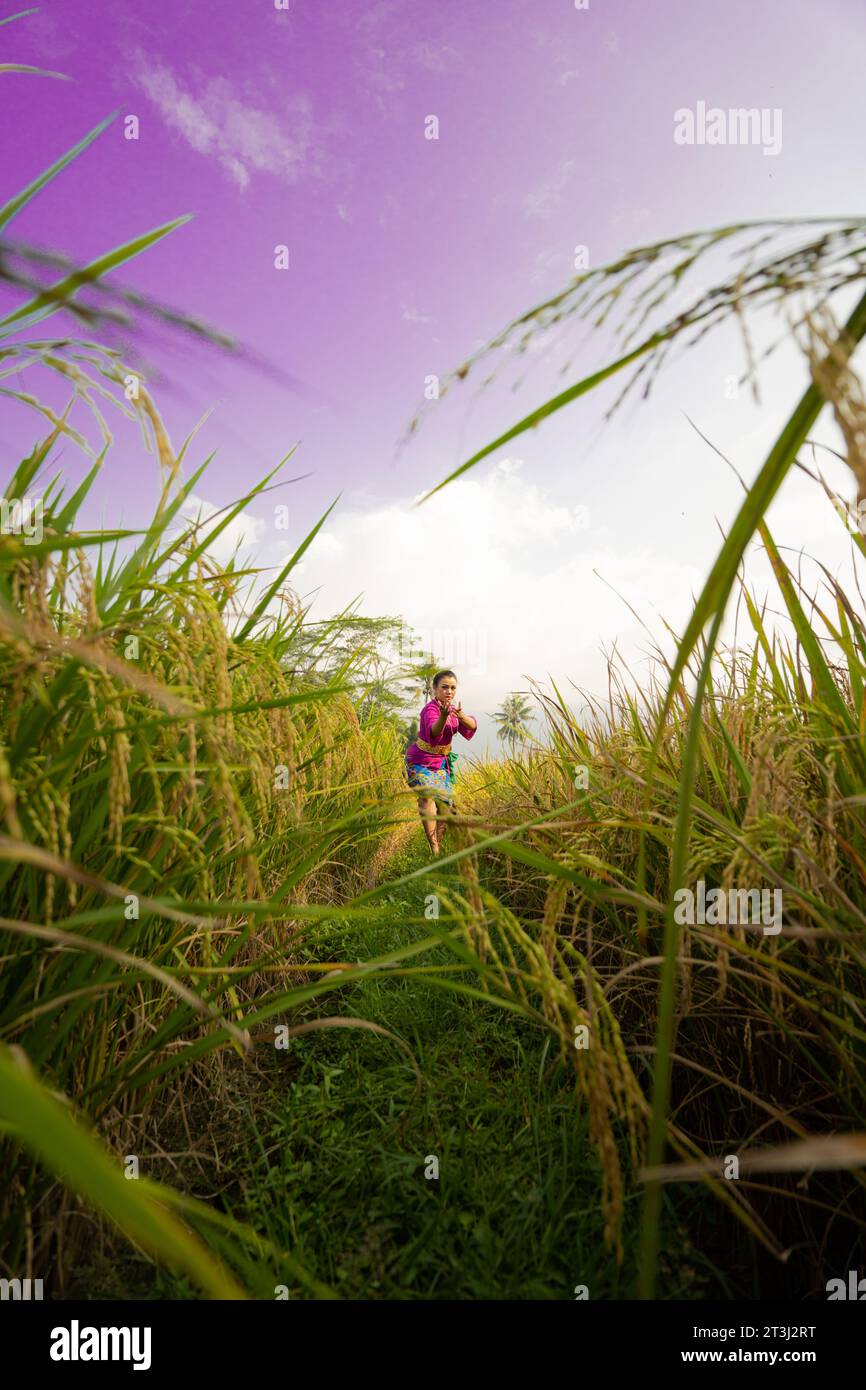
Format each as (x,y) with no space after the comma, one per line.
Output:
(255,1044)
(199,847)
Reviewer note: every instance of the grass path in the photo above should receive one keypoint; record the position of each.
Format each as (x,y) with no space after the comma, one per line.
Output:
(323,1147)
(344,1136)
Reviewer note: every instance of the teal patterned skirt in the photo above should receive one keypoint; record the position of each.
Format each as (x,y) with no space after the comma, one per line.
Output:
(431,779)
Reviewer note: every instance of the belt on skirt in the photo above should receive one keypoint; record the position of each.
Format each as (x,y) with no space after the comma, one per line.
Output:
(443,751)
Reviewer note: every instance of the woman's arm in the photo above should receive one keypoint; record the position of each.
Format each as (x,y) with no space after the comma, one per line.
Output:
(436,729)
(466,723)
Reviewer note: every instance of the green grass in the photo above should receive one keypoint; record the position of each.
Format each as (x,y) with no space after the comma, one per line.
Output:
(194,809)
(327,1145)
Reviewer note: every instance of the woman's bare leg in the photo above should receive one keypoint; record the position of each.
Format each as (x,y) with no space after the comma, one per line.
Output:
(445,809)
(427,807)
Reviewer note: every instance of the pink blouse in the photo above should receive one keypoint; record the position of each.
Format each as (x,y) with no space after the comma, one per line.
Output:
(429,716)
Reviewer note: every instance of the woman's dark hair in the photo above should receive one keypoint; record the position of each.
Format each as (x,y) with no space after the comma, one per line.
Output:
(440,675)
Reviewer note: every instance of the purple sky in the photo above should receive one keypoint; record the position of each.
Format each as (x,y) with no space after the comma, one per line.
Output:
(307,128)
(555,128)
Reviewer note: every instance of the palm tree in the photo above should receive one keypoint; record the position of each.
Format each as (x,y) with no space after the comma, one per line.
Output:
(512,720)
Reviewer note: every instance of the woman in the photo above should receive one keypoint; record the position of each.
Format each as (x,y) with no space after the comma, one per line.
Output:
(429,760)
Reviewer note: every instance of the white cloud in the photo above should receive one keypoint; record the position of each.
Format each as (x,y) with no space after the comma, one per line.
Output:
(437,57)
(549,263)
(377,74)
(244,138)
(542,201)
(497,576)
(242,532)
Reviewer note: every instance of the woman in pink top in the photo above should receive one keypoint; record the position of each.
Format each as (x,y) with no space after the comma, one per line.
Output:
(430,761)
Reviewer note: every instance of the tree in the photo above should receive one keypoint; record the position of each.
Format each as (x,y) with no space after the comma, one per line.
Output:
(378,658)
(512,719)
